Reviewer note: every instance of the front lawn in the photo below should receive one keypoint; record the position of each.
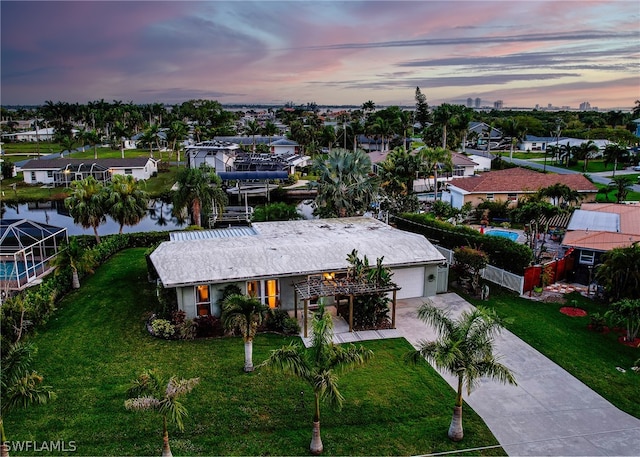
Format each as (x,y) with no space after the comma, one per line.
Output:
(589,356)
(96,344)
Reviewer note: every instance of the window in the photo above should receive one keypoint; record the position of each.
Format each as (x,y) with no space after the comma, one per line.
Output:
(489,196)
(49,173)
(512,197)
(587,257)
(33,176)
(267,291)
(203,300)
(128,171)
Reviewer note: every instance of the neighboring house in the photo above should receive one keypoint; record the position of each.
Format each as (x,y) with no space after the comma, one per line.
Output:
(285,146)
(483,163)
(219,155)
(480,133)
(463,166)
(597,228)
(32,135)
(637,122)
(511,184)
(268,258)
(541,143)
(62,171)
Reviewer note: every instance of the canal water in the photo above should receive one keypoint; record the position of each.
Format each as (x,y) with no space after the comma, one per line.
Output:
(158,218)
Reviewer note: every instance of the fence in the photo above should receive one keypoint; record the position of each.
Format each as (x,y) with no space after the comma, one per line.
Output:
(490,273)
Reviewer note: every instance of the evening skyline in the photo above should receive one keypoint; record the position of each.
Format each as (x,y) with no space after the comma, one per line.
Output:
(332,53)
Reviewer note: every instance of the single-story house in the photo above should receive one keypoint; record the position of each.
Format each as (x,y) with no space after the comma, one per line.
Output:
(542,143)
(62,171)
(284,146)
(483,162)
(597,228)
(511,184)
(268,258)
(45,134)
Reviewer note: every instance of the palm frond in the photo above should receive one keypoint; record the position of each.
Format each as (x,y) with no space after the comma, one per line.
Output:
(145,403)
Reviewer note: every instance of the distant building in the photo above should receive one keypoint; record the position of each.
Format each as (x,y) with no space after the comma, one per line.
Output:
(478,102)
(498,104)
(585,106)
(469,102)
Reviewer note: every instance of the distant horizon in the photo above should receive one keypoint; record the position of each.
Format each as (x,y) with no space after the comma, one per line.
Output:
(526,53)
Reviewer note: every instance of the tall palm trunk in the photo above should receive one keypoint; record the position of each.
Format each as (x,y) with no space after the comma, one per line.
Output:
(75,279)
(4,447)
(316,446)
(248,356)
(166,450)
(456,433)
(195,207)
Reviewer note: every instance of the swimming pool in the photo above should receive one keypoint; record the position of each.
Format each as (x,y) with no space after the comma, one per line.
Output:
(502,233)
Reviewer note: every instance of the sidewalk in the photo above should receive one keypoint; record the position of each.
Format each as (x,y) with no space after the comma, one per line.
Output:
(549,413)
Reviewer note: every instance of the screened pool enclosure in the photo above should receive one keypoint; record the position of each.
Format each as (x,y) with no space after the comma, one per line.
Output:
(26,248)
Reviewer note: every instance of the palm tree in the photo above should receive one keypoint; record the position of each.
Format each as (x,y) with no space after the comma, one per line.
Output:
(200,191)
(150,392)
(443,115)
(319,366)
(384,128)
(252,129)
(74,256)
(344,185)
(92,137)
(464,349)
(270,129)
(177,132)
(120,131)
(86,204)
(621,184)
(67,143)
(619,272)
(244,313)
(19,385)
(612,153)
(432,159)
(515,131)
(368,107)
(586,151)
(127,203)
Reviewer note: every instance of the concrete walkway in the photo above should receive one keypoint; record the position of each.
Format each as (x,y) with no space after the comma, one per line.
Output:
(549,413)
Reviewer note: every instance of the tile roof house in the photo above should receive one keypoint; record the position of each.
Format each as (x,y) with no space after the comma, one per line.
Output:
(599,227)
(513,183)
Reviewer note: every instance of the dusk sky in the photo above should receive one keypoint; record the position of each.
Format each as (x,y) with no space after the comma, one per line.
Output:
(332,53)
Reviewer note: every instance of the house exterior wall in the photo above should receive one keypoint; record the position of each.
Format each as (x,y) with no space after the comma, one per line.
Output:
(38,177)
(137,173)
(458,199)
(416,281)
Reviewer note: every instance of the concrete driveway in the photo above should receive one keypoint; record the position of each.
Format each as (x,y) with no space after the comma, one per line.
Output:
(549,413)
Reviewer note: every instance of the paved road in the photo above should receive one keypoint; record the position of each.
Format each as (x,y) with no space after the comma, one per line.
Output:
(549,413)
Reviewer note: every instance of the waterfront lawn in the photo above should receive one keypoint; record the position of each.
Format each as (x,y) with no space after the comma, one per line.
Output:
(591,357)
(96,344)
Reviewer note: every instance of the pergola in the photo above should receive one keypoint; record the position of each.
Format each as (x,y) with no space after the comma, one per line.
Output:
(321,286)
(26,247)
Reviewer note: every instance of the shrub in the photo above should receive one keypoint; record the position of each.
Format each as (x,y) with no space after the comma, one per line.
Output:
(278,320)
(187,329)
(207,326)
(162,328)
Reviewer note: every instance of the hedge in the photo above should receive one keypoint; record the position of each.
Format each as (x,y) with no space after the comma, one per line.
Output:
(503,253)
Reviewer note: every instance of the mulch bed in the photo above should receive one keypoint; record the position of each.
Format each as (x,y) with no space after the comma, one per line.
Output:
(634,344)
(573,312)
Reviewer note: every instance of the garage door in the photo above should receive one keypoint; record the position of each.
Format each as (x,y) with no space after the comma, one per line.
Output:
(411,280)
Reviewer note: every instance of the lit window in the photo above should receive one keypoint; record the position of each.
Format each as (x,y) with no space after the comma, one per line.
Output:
(203,300)
(512,197)
(267,291)
(128,171)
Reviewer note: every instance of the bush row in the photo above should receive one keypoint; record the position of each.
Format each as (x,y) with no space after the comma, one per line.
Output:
(503,253)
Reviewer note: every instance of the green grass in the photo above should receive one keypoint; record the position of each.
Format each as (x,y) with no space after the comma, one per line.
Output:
(526,155)
(591,357)
(96,344)
(634,176)
(610,197)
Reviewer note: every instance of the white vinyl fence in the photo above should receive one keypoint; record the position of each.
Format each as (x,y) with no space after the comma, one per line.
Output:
(498,276)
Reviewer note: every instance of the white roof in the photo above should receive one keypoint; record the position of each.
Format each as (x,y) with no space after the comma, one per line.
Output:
(594,221)
(291,248)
